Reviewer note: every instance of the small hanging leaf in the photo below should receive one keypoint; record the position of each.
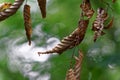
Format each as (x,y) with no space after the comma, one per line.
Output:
(77,67)
(74,74)
(27,22)
(98,24)
(4,6)
(70,75)
(42,6)
(86,9)
(74,39)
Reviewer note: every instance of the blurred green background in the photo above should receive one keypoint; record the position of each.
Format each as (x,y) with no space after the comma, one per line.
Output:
(101,59)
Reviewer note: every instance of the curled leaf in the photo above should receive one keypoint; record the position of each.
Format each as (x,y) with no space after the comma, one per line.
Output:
(86,9)
(70,75)
(77,67)
(74,39)
(98,24)
(42,6)
(74,73)
(27,22)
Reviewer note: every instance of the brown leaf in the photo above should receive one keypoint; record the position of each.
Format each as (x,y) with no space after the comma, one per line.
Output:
(86,9)
(74,73)
(98,24)
(27,22)
(70,75)
(77,67)
(74,39)
(42,6)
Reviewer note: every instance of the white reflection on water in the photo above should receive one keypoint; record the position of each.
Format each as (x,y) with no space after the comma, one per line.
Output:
(111,66)
(22,57)
(27,52)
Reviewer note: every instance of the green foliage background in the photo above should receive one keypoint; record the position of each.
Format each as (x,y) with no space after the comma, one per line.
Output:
(62,18)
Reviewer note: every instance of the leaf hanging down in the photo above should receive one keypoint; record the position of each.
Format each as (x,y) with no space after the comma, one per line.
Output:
(77,67)
(42,6)
(86,9)
(74,39)
(74,74)
(27,22)
(98,24)
(4,6)
(70,75)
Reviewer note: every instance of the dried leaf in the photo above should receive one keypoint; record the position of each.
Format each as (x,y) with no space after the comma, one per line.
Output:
(74,39)
(27,22)
(70,75)
(77,67)
(98,24)
(74,74)
(42,6)
(86,9)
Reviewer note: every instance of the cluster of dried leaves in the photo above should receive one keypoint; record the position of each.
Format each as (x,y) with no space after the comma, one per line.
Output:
(76,37)
(26,13)
(70,41)
(27,17)
(98,24)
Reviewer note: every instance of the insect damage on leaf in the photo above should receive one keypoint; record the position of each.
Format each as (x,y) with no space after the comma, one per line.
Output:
(27,22)
(74,39)
(42,6)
